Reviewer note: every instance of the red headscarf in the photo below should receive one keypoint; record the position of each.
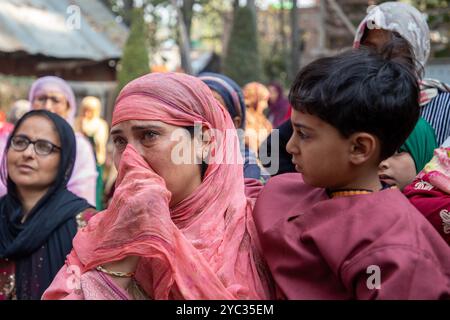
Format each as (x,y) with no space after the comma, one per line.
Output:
(206,246)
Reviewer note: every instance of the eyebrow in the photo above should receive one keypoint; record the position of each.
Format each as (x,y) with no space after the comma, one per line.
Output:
(23,135)
(301,126)
(137,128)
(115,131)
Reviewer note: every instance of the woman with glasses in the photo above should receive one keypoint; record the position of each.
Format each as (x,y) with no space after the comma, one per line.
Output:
(55,95)
(38,214)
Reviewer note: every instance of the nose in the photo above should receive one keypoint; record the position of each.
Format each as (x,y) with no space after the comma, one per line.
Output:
(136,145)
(29,151)
(384,165)
(141,150)
(48,105)
(291,147)
(117,154)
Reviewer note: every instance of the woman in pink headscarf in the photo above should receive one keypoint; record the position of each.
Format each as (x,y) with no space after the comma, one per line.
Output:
(174,229)
(55,95)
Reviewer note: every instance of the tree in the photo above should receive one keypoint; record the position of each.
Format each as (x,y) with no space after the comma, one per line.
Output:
(438,13)
(184,14)
(242,62)
(134,62)
(295,42)
(187,12)
(121,8)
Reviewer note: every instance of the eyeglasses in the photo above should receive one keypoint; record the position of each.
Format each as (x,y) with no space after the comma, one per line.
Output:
(41,147)
(43,99)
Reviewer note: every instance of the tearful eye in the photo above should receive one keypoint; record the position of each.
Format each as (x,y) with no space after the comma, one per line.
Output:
(148,137)
(119,142)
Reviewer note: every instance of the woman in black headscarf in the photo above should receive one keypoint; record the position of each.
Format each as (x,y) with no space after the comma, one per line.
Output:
(38,214)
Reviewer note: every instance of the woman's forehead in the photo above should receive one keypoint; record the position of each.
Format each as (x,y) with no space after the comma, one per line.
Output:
(50,92)
(38,127)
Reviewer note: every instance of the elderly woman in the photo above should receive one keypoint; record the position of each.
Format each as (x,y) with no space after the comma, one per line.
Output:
(405,24)
(179,225)
(55,95)
(38,214)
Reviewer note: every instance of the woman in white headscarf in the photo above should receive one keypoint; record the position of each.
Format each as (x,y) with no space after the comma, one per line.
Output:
(90,123)
(408,26)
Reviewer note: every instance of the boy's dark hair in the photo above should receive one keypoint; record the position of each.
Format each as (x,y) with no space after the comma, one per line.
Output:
(361,91)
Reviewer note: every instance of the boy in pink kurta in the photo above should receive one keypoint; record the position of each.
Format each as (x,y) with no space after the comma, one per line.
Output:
(335,231)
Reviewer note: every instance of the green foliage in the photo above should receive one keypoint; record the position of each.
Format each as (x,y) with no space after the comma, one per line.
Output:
(439,23)
(242,62)
(134,61)
(275,67)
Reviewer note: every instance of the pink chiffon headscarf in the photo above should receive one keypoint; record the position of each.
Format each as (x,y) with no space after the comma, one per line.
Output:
(206,246)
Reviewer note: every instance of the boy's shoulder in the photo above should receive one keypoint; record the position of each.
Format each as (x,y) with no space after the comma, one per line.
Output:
(282,197)
(286,202)
(289,186)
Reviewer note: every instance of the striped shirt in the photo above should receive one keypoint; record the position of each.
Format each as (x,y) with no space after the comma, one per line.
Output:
(437,114)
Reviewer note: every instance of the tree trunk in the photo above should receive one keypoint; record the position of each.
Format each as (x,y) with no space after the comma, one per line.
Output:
(295,42)
(322,35)
(187,14)
(235,4)
(282,33)
(251,4)
(185,47)
(127,8)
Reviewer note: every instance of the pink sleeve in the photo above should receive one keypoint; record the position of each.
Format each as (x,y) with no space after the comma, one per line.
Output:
(66,285)
(3,190)
(84,177)
(3,141)
(71,284)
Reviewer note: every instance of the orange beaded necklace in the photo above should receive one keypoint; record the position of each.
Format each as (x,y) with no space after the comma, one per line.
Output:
(355,192)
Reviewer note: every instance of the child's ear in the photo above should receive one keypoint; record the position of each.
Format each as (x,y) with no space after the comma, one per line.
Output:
(363,147)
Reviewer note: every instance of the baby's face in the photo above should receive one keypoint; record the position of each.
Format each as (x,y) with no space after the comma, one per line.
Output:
(399,170)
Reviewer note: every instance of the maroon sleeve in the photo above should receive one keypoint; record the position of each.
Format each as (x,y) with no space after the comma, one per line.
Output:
(403,273)
(252,187)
